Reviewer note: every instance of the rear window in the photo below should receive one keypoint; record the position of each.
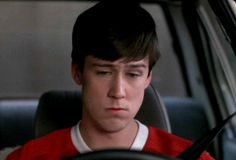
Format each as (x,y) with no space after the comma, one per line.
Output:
(35,38)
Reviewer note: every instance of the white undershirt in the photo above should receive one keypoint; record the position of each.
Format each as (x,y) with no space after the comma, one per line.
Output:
(82,147)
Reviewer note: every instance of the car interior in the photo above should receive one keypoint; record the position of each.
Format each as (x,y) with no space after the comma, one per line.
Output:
(193,87)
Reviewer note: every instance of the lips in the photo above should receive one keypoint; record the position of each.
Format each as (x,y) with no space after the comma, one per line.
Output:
(116,109)
(117,112)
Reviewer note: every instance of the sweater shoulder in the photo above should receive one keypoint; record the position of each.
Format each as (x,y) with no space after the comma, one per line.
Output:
(165,143)
(56,145)
(168,144)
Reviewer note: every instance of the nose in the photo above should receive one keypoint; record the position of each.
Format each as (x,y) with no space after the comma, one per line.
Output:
(117,89)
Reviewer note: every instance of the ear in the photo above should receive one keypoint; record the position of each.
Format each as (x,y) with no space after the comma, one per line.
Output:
(76,74)
(148,80)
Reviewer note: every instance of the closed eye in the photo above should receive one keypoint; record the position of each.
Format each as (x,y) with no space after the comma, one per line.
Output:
(134,75)
(103,73)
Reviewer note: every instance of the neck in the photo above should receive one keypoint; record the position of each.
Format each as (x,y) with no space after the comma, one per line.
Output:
(97,138)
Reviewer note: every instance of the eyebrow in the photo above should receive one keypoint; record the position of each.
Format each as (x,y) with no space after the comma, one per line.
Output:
(102,65)
(137,66)
(141,65)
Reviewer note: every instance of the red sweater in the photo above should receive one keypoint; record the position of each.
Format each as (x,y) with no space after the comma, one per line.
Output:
(59,146)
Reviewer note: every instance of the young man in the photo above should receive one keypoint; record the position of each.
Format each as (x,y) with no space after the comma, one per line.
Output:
(114,50)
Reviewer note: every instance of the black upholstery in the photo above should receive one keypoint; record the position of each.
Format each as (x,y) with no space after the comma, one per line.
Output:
(187,117)
(61,109)
(16,121)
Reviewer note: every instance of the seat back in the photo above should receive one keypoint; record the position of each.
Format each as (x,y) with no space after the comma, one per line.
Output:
(62,109)
(16,121)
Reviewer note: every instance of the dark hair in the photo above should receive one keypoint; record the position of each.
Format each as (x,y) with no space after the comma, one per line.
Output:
(111,30)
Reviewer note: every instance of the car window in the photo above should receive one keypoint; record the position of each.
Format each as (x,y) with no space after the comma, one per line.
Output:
(232,5)
(35,38)
(221,62)
(168,76)
(35,42)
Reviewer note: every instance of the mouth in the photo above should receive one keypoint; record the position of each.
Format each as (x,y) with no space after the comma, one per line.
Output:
(117,109)
(117,112)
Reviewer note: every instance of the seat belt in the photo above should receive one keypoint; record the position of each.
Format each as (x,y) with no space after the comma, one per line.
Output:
(199,146)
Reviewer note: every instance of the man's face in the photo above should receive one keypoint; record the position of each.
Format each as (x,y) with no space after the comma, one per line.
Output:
(112,92)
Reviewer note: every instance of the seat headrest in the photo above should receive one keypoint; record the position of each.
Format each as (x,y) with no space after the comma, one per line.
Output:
(62,109)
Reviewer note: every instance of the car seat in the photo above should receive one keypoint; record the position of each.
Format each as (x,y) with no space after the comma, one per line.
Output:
(16,121)
(62,109)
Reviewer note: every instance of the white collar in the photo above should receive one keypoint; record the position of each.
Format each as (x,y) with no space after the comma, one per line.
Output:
(82,147)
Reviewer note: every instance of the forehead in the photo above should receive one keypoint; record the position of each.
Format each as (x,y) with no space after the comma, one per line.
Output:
(93,61)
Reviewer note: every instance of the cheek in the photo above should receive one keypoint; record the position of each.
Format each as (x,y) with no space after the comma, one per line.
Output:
(92,102)
(94,84)
(93,93)
(136,98)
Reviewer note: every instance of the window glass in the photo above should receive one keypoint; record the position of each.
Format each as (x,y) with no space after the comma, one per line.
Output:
(221,61)
(35,39)
(168,76)
(232,4)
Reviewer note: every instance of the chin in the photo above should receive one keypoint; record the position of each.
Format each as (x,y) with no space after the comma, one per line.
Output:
(114,125)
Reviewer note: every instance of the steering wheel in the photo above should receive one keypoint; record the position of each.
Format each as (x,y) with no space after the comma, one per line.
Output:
(121,155)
